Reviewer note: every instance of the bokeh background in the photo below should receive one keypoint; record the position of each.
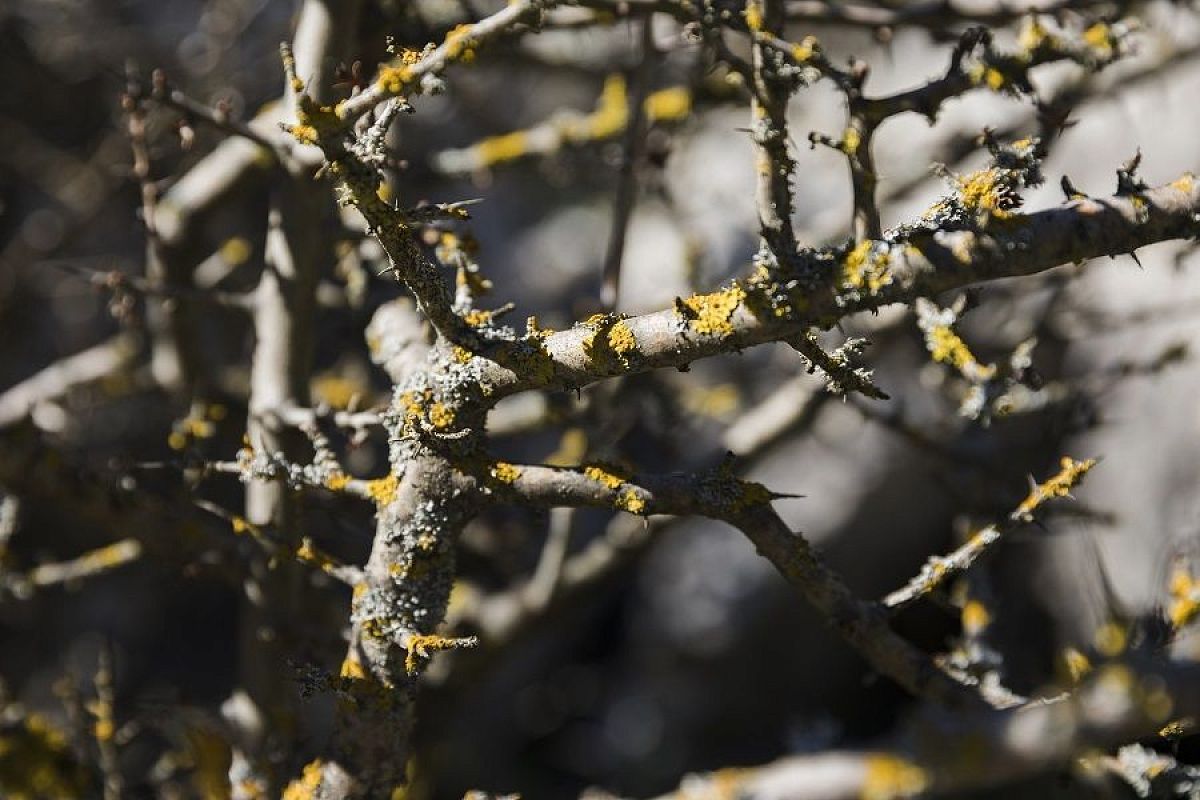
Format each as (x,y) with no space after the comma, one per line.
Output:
(689,653)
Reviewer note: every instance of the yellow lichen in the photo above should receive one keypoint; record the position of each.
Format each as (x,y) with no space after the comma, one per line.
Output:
(1100,39)
(851,139)
(612,111)
(1184,183)
(352,669)
(393,77)
(984,75)
(629,500)
(946,347)
(461,355)
(1033,36)
(1178,728)
(460,43)
(605,474)
(477,317)
(866,267)
(337,482)
(674,103)
(240,525)
(505,472)
(421,645)
(305,787)
(1074,665)
(806,49)
(889,777)
(235,250)
(535,331)
(441,416)
(498,149)
(383,490)
(754,15)
(1060,485)
(975,617)
(712,314)
(308,553)
(983,193)
(622,341)
(1184,589)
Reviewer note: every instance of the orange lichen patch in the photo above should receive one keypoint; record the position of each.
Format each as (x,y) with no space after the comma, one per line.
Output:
(460,43)
(309,553)
(985,193)
(1184,183)
(235,250)
(1178,728)
(1184,589)
(533,330)
(305,787)
(383,490)
(411,405)
(478,316)
(754,16)
(608,475)
(712,314)
(975,617)
(352,669)
(612,110)
(889,777)
(1034,36)
(1101,39)
(851,139)
(505,472)
(314,121)
(104,729)
(1058,486)
(674,103)
(421,646)
(1074,666)
(946,347)
(629,500)
(984,75)
(866,267)
(621,339)
(393,76)
(198,424)
(441,416)
(806,49)
(497,149)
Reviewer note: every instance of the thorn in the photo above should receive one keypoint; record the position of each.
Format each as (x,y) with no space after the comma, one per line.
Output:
(1070,191)
(1133,254)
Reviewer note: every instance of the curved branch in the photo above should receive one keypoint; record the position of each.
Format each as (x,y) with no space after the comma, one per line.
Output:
(912,262)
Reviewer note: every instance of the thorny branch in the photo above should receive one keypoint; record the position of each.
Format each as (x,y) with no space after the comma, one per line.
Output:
(441,475)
